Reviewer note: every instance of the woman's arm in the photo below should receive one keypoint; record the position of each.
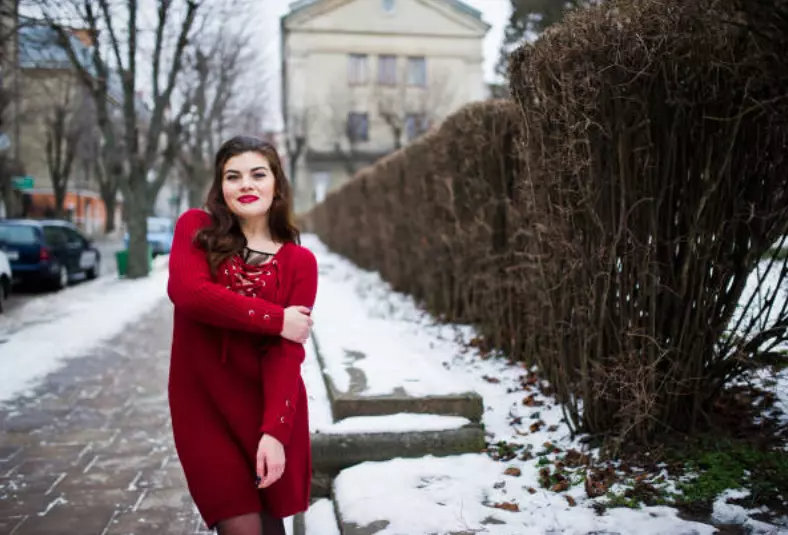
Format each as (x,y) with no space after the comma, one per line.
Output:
(193,291)
(281,366)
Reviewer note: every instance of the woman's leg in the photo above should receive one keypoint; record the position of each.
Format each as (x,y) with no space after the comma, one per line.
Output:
(248,524)
(272,525)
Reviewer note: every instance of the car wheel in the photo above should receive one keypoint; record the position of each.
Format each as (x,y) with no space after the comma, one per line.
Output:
(62,278)
(94,272)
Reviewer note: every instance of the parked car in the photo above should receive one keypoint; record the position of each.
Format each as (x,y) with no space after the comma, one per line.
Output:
(5,279)
(48,252)
(160,234)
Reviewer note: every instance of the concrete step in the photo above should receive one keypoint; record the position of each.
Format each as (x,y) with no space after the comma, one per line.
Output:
(331,452)
(358,401)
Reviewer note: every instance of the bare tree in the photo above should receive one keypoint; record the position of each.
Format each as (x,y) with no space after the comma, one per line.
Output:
(408,111)
(68,122)
(296,128)
(116,52)
(348,126)
(213,79)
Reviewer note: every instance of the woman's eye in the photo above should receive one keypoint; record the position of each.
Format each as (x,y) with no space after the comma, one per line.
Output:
(259,176)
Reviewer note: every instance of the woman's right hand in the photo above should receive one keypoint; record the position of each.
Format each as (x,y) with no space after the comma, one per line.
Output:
(297,324)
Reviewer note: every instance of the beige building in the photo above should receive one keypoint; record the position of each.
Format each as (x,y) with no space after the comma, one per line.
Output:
(361,78)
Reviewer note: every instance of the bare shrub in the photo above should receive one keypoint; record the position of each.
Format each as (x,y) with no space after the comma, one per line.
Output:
(656,137)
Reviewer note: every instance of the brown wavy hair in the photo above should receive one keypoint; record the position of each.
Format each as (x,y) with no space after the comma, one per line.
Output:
(223,238)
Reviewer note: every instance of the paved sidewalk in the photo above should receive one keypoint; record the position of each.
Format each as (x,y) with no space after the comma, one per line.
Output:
(91,452)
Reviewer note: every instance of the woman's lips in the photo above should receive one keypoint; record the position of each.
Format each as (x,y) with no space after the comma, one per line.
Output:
(246,199)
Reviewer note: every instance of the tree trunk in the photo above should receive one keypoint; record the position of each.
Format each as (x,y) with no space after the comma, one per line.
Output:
(137,207)
(9,199)
(59,185)
(200,177)
(110,206)
(196,197)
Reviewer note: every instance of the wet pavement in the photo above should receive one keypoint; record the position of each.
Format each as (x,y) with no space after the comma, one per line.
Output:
(91,452)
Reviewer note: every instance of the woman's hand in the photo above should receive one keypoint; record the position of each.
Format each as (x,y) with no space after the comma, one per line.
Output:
(270,461)
(296,324)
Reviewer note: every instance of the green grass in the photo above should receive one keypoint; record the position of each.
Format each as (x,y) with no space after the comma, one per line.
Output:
(719,465)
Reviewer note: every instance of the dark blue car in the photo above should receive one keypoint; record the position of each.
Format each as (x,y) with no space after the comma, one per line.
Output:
(47,252)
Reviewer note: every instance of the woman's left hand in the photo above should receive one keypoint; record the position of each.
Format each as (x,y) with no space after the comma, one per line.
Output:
(270,461)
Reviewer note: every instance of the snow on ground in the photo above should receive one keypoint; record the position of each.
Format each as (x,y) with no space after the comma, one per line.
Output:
(320,519)
(351,335)
(465,493)
(321,419)
(40,335)
(357,311)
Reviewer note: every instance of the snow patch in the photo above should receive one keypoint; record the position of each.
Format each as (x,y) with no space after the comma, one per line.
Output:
(47,331)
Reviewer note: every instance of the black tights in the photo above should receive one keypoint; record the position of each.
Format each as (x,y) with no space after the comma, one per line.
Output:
(251,524)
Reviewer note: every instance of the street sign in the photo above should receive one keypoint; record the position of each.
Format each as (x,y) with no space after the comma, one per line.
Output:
(23,182)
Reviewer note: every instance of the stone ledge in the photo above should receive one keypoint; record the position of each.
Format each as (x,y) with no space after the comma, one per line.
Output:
(333,452)
(354,403)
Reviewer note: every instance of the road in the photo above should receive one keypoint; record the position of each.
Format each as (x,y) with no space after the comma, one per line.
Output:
(107,249)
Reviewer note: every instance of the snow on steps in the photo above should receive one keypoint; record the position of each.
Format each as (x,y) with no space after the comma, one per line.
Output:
(354,439)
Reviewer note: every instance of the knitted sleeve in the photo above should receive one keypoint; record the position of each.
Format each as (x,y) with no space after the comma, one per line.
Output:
(193,291)
(281,366)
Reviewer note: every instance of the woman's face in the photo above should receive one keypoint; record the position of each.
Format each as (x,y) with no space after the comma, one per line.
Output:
(248,185)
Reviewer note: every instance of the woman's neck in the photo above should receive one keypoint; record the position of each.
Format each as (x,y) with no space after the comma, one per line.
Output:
(256,230)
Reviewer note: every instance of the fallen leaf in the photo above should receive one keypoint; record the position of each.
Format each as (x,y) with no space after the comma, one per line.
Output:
(536,426)
(507,506)
(571,500)
(531,490)
(513,471)
(595,488)
(575,458)
(531,401)
(560,486)
(489,379)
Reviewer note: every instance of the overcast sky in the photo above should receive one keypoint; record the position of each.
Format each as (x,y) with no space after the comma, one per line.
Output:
(494,12)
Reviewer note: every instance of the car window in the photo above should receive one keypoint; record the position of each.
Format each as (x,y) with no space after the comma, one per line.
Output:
(18,235)
(55,236)
(159,226)
(74,236)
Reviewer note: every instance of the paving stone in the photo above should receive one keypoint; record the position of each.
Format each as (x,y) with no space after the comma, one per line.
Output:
(91,451)
(67,519)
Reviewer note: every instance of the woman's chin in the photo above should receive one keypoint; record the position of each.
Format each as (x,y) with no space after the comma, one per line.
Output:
(251,210)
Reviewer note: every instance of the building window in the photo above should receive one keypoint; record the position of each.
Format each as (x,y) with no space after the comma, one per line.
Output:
(357,69)
(388,5)
(357,127)
(387,70)
(415,125)
(417,71)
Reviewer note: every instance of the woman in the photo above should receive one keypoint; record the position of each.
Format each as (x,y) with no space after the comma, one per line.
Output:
(243,289)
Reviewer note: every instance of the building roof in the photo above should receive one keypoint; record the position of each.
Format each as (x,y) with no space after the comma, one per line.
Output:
(459,5)
(40,48)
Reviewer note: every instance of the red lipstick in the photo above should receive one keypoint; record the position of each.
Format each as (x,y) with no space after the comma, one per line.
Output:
(246,199)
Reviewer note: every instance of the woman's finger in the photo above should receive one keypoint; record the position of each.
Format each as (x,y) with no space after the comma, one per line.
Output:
(275,469)
(272,477)
(261,468)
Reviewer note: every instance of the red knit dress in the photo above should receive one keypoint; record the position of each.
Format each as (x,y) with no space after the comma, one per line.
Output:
(233,378)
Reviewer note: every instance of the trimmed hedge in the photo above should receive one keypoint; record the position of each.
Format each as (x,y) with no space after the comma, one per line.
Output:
(603,225)
(437,219)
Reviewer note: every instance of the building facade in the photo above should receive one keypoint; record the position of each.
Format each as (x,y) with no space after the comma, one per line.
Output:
(361,78)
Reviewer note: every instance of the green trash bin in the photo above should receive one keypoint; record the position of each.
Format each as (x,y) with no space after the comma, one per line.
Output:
(122,259)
